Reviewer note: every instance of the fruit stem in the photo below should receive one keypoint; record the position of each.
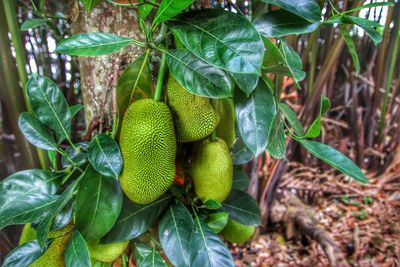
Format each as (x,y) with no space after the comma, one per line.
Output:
(214,136)
(160,77)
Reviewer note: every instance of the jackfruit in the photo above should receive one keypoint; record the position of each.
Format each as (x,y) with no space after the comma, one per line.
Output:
(236,232)
(226,126)
(148,147)
(194,116)
(212,170)
(28,234)
(54,256)
(107,252)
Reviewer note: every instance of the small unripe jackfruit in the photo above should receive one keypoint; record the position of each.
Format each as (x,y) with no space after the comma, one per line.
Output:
(194,115)
(236,232)
(212,170)
(54,255)
(226,126)
(107,252)
(148,147)
(28,234)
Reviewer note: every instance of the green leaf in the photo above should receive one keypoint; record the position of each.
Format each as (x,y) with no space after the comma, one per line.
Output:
(277,139)
(246,82)
(206,248)
(254,116)
(169,9)
(78,156)
(105,156)
(32,23)
(212,204)
(198,77)
(145,9)
(273,56)
(221,38)
(135,83)
(98,204)
(281,23)
(242,208)
(240,179)
(75,109)
(293,62)
(76,252)
(240,153)
(135,219)
(307,9)
(291,117)
(56,207)
(25,196)
(334,158)
(217,221)
(36,132)
(49,104)
(90,4)
(350,46)
(153,260)
(141,251)
(366,26)
(63,218)
(369,6)
(92,44)
(174,230)
(315,128)
(23,255)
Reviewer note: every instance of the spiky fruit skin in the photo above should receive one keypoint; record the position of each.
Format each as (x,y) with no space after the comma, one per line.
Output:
(107,252)
(236,232)
(226,126)
(28,234)
(148,147)
(54,256)
(212,170)
(194,115)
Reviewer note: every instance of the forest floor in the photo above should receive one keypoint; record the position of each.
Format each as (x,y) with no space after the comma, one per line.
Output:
(364,221)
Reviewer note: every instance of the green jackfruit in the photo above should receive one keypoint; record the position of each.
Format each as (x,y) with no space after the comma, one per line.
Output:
(194,115)
(28,234)
(226,126)
(148,147)
(212,170)
(107,252)
(54,255)
(235,232)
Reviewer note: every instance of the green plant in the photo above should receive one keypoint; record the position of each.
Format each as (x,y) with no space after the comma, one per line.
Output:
(221,55)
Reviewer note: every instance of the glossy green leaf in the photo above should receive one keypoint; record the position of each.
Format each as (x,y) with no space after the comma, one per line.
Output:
(90,4)
(350,46)
(32,23)
(221,38)
(52,155)
(105,156)
(365,24)
(292,118)
(334,158)
(293,62)
(273,56)
(315,128)
(26,196)
(23,255)
(240,178)
(44,226)
(174,230)
(198,77)
(145,9)
(75,109)
(281,23)
(64,217)
(212,204)
(246,82)
(169,9)
(217,221)
(96,263)
(307,9)
(98,204)
(153,260)
(240,153)
(36,132)
(242,208)
(206,248)
(135,219)
(92,44)
(135,83)
(277,139)
(49,104)
(76,252)
(141,251)
(77,156)
(254,116)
